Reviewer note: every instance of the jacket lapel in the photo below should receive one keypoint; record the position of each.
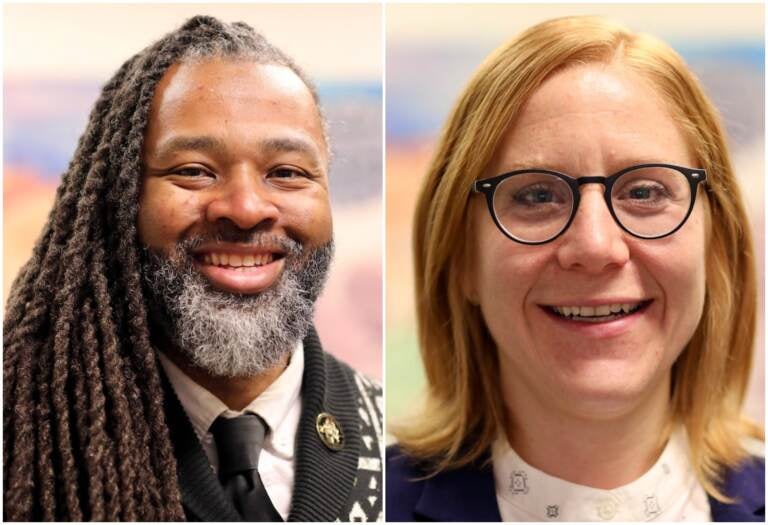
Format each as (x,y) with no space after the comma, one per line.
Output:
(324,478)
(469,494)
(746,484)
(735,512)
(201,493)
(466,494)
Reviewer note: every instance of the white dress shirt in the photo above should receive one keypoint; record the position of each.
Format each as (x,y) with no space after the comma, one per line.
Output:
(279,405)
(669,491)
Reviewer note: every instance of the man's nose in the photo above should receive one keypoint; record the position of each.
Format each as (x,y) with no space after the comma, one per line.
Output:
(244,198)
(594,242)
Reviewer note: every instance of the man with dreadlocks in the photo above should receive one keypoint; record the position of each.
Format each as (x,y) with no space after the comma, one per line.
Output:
(159,356)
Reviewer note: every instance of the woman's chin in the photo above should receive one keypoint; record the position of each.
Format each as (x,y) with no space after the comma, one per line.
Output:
(609,388)
(592,385)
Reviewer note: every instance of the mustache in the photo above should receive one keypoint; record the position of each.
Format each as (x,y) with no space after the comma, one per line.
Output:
(286,244)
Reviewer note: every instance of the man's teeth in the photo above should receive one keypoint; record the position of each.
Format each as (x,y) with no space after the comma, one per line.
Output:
(603,310)
(236,260)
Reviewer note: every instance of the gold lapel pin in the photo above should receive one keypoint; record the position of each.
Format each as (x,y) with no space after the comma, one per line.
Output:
(329,431)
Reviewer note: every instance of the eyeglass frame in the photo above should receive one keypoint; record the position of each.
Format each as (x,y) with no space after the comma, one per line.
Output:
(694,176)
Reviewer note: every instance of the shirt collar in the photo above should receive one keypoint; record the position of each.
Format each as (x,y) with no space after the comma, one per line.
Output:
(547,498)
(272,404)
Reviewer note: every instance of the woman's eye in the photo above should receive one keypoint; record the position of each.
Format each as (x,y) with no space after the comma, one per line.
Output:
(645,192)
(640,193)
(539,194)
(535,196)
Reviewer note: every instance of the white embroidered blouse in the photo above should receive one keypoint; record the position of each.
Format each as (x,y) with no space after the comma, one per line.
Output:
(669,491)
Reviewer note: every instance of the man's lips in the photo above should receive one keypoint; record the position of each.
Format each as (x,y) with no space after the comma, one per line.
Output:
(238,248)
(236,260)
(240,268)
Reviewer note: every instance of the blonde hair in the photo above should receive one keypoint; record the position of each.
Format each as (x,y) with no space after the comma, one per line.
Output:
(464,411)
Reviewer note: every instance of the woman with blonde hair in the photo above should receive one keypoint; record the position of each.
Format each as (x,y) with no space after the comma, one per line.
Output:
(586,295)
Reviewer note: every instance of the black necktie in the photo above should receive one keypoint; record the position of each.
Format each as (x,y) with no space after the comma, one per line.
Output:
(239,441)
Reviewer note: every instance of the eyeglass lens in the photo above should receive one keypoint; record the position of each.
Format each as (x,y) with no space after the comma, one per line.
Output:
(649,202)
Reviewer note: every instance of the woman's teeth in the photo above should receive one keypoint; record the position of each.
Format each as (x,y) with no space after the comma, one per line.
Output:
(236,260)
(594,313)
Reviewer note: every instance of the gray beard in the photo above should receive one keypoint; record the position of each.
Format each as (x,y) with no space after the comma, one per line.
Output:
(228,334)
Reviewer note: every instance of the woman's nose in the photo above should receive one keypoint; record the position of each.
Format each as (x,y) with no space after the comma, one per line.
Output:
(594,242)
(244,199)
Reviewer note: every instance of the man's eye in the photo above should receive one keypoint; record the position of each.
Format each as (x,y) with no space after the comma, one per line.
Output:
(286,173)
(192,171)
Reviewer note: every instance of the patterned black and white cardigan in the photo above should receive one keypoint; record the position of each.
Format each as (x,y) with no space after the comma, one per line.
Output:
(329,485)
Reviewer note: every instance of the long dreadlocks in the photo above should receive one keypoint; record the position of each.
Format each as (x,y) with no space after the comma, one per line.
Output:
(85,436)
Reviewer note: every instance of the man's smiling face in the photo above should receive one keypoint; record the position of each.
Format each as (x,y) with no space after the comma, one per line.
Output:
(234,199)
(234,146)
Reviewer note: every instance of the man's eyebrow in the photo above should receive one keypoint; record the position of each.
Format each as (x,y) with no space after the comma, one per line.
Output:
(191,143)
(212,144)
(290,145)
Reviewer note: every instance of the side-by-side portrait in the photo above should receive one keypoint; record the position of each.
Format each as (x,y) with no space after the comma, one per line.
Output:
(385,261)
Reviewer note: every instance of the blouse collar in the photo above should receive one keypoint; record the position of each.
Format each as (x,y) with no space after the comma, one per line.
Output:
(526,492)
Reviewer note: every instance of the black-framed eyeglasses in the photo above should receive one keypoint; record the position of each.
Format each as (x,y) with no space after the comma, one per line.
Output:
(535,206)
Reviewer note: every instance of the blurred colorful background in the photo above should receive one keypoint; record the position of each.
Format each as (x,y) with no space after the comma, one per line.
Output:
(57,57)
(432,50)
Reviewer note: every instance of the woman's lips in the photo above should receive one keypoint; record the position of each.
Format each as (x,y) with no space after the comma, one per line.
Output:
(597,326)
(241,279)
(598,313)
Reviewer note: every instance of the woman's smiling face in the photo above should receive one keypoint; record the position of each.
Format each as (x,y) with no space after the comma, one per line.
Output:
(588,120)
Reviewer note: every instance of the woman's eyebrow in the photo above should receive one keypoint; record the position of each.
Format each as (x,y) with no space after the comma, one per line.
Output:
(533,164)
(560,167)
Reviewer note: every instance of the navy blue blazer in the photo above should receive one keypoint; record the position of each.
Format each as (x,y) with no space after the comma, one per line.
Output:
(469,493)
